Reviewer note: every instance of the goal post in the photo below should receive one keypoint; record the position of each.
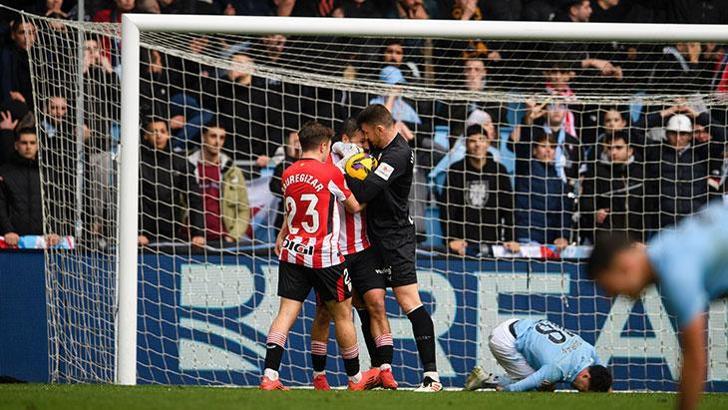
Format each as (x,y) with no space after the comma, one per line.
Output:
(133,24)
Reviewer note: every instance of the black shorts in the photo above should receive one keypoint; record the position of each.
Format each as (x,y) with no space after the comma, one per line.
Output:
(296,281)
(366,270)
(397,251)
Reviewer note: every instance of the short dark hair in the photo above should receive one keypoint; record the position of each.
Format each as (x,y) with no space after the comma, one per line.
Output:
(600,380)
(558,63)
(16,24)
(23,131)
(313,134)
(149,119)
(215,123)
(550,138)
(375,114)
(348,128)
(616,136)
(606,246)
(475,129)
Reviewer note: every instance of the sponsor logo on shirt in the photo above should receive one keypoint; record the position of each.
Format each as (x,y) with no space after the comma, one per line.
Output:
(297,247)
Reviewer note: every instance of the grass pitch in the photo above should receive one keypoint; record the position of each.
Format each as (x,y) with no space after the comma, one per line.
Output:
(61,397)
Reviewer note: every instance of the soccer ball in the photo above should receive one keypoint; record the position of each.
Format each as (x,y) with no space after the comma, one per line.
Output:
(360,165)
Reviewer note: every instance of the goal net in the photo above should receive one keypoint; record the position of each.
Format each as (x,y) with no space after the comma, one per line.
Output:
(540,143)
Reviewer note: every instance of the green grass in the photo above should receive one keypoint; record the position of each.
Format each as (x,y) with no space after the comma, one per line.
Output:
(37,397)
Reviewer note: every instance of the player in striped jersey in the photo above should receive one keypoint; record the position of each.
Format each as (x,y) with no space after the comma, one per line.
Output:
(363,268)
(308,249)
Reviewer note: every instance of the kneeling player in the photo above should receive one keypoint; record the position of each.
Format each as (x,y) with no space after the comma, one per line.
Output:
(307,246)
(539,354)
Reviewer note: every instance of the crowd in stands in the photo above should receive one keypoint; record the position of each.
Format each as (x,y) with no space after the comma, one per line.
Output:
(549,170)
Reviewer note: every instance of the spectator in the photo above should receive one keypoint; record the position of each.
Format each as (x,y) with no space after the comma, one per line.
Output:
(154,84)
(288,104)
(7,136)
(613,121)
(253,7)
(683,172)
(15,84)
(548,119)
(614,194)
(241,104)
(403,109)
(113,15)
(20,194)
(681,68)
(102,89)
(52,9)
(543,208)
(224,193)
(292,151)
(359,9)
(484,120)
(170,201)
(412,9)
(609,11)
(490,9)
(313,8)
(478,201)
(460,114)
(452,51)
(577,11)
(191,104)
(394,56)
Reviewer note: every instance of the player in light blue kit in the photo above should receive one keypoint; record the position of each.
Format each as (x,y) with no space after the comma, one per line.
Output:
(538,354)
(689,265)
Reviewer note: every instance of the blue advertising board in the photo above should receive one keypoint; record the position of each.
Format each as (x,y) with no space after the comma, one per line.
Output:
(204,319)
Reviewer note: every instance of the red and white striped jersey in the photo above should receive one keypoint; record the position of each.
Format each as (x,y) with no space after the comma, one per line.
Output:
(311,190)
(353,236)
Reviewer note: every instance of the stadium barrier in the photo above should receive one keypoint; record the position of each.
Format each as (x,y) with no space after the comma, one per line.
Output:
(206,319)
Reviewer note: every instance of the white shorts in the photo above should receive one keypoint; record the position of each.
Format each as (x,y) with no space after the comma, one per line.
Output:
(503,347)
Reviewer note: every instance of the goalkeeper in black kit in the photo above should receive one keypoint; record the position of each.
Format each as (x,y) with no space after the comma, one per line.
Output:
(390,227)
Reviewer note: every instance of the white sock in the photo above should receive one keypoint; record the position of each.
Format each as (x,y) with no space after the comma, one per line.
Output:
(271,374)
(317,374)
(432,375)
(356,378)
(385,366)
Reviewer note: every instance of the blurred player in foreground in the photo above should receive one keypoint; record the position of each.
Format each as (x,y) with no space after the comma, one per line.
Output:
(689,265)
(308,249)
(538,354)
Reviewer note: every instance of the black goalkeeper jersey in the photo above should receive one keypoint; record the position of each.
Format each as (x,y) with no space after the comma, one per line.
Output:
(386,190)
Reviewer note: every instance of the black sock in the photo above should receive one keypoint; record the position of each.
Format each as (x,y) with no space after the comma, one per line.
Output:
(351,360)
(385,349)
(368,339)
(273,355)
(424,332)
(318,355)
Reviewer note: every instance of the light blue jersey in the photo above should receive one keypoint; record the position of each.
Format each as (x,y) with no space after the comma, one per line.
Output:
(554,352)
(691,263)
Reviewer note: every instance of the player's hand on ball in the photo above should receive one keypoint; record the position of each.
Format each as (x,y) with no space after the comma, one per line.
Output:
(360,165)
(345,150)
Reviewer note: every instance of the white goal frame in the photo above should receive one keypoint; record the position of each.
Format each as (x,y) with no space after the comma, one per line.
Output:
(133,24)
